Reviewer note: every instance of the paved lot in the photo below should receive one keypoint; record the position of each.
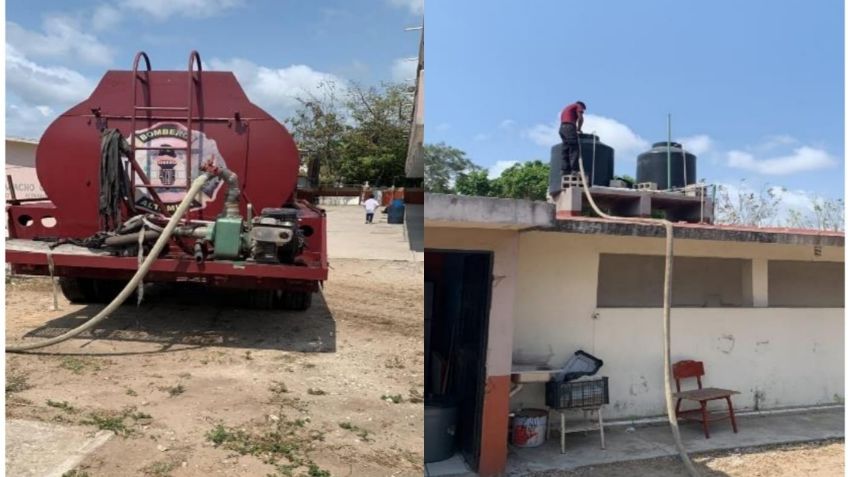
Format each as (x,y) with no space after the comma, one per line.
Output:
(350,237)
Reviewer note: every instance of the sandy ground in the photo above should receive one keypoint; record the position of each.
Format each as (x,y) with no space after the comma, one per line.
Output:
(195,387)
(817,459)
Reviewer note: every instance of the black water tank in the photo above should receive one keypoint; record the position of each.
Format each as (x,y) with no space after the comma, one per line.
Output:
(653,166)
(603,164)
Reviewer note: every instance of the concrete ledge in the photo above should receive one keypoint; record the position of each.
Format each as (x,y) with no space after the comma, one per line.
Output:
(447,210)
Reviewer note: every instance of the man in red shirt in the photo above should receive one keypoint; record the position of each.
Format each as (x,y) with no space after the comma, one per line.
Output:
(571,124)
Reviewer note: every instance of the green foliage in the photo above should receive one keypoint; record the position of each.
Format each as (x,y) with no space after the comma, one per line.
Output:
(475,183)
(356,136)
(442,166)
(525,180)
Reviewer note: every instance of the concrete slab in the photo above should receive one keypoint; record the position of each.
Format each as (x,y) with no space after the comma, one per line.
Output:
(625,443)
(40,449)
(348,236)
(453,467)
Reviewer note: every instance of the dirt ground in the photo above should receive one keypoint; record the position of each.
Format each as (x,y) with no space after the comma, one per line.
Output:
(195,387)
(815,459)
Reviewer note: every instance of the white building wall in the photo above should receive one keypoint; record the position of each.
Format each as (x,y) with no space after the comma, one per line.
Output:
(20,164)
(776,357)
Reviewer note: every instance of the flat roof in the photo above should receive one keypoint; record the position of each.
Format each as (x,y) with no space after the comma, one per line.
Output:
(455,211)
(21,139)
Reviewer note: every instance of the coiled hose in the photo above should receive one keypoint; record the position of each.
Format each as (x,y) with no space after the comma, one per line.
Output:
(669,259)
(133,283)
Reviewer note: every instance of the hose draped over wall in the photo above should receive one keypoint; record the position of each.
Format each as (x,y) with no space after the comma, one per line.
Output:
(669,259)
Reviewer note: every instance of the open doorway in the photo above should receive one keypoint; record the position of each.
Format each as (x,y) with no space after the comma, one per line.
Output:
(456,314)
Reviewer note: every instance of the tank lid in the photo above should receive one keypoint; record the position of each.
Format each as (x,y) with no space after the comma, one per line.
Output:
(666,144)
(589,137)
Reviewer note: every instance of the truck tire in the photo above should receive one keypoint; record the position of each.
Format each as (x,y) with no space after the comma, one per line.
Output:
(77,290)
(296,301)
(261,299)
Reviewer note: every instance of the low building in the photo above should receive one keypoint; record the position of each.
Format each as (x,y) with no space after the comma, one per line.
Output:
(510,286)
(20,165)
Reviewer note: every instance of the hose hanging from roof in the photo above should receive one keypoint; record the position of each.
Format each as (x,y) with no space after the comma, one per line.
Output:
(133,283)
(669,259)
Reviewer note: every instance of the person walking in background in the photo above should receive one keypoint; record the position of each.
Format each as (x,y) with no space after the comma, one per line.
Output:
(370,205)
(571,124)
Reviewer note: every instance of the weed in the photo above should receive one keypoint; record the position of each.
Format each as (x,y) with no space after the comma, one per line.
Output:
(109,422)
(308,365)
(173,390)
(16,383)
(316,392)
(315,471)
(62,405)
(362,433)
(78,365)
(130,392)
(159,469)
(395,398)
(247,355)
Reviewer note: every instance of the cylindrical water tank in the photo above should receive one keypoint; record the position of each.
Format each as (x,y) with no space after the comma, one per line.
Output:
(653,166)
(602,163)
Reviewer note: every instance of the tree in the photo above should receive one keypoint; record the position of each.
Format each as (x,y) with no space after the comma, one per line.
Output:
(826,214)
(475,183)
(526,180)
(318,129)
(744,206)
(375,148)
(442,166)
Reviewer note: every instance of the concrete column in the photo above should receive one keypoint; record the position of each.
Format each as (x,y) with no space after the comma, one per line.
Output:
(569,202)
(759,282)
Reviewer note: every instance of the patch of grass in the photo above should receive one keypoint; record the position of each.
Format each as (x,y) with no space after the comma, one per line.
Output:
(395,398)
(62,405)
(173,390)
(130,392)
(78,365)
(109,422)
(278,387)
(159,469)
(247,355)
(16,383)
(308,365)
(362,433)
(286,445)
(316,392)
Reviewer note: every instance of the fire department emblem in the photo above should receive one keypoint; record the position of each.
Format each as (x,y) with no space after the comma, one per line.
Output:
(163,160)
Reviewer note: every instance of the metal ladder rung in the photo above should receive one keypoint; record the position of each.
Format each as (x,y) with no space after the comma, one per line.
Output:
(153,186)
(159,148)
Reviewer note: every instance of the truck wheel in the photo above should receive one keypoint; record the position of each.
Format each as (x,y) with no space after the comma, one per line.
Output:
(106,290)
(77,290)
(262,299)
(296,301)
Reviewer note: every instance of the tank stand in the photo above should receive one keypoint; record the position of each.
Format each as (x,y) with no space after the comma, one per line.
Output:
(571,180)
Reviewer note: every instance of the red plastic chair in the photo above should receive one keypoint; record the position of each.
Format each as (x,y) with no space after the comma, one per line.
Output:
(695,369)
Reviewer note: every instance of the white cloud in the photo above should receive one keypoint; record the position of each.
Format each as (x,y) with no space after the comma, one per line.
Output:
(403,70)
(802,159)
(507,124)
(277,89)
(43,85)
(697,145)
(415,6)
(545,135)
(500,166)
(63,36)
(26,121)
(627,144)
(165,9)
(105,17)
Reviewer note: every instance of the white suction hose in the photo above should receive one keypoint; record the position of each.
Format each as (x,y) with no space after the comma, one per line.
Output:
(133,283)
(669,258)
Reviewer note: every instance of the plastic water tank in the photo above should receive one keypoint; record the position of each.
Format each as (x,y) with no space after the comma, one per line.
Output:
(602,163)
(395,212)
(653,166)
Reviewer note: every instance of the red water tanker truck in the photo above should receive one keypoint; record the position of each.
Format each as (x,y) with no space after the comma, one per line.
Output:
(147,146)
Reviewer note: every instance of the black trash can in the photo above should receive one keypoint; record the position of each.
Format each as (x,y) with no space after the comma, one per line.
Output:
(439,430)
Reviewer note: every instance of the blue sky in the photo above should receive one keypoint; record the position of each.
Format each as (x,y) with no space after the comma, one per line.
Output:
(754,87)
(57,51)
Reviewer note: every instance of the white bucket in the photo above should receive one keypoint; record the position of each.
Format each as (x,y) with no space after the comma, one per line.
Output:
(529,427)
